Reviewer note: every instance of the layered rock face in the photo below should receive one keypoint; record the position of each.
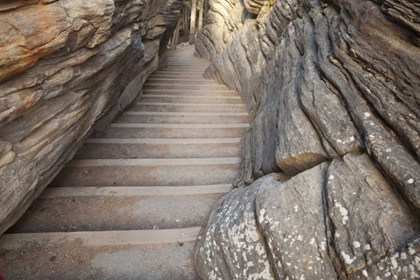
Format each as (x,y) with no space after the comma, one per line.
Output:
(330,186)
(66,67)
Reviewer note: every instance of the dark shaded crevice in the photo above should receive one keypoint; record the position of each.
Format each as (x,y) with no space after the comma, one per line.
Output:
(329,227)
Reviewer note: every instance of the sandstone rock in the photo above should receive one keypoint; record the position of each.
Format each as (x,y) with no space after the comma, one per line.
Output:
(403,264)
(341,220)
(292,219)
(65,68)
(298,146)
(254,6)
(232,246)
(366,219)
(331,81)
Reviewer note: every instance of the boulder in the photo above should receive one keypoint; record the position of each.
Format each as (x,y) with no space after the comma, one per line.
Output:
(339,220)
(232,246)
(292,220)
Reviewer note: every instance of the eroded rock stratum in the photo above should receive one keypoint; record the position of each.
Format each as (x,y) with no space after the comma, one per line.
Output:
(65,67)
(330,185)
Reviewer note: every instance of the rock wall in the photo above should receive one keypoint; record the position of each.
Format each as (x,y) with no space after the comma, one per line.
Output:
(334,88)
(66,67)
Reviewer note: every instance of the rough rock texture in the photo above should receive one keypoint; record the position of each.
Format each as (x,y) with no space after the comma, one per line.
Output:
(66,66)
(334,88)
(292,220)
(333,221)
(232,246)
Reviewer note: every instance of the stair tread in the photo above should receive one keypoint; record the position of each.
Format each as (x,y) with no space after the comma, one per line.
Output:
(179,132)
(215,85)
(130,173)
(176,125)
(136,113)
(189,104)
(65,260)
(151,162)
(134,190)
(101,238)
(187,108)
(163,141)
(182,119)
(191,148)
(187,99)
(190,90)
(192,96)
(131,211)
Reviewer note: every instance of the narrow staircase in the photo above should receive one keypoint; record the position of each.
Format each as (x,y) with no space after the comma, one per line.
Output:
(132,202)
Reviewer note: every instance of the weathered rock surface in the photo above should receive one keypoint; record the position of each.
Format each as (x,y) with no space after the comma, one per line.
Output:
(292,220)
(334,90)
(337,220)
(232,247)
(65,67)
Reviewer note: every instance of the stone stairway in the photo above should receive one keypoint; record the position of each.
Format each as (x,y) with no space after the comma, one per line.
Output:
(131,203)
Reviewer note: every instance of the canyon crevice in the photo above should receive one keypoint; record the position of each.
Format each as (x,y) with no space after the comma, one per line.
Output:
(333,87)
(329,186)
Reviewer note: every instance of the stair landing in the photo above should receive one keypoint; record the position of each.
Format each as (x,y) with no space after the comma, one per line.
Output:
(132,202)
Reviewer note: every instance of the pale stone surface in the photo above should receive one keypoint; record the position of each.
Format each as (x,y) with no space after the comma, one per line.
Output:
(292,221)
(232,246)
(66,66)
(367,219)
(403,264)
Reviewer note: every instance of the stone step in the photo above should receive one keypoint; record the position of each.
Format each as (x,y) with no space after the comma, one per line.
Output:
(162,98)
(190,74)
(184,62)
(185,81)
(146,255)
(177,131)
(180,62)
(148,172)
(179,86)
(182,68)
(159,148)
(134,191)
(191,60)
(172,75)
(100,238)
(189,63)
(115,212)
(188,107)
(165,75)
(193,71)
(183,118)
(224,92)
